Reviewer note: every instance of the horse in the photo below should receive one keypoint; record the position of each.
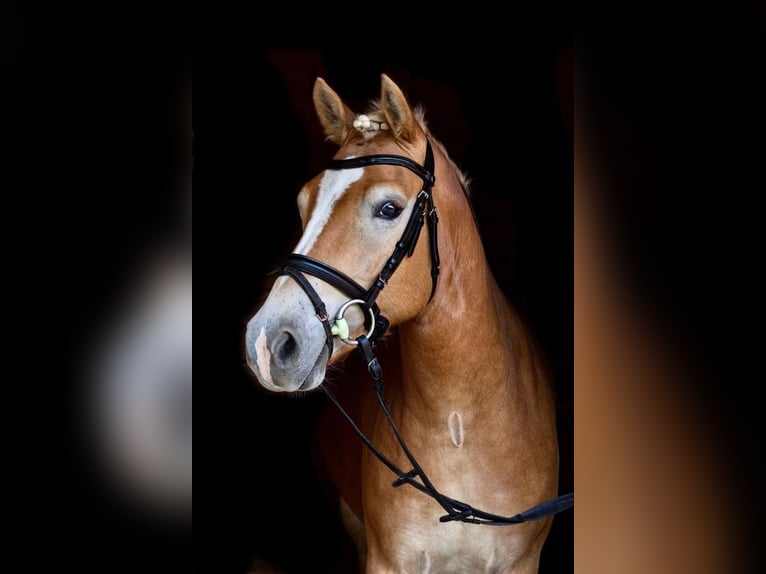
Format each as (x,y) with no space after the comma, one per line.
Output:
(468,389)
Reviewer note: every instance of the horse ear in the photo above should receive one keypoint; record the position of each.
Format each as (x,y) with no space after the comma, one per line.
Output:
(335,116)
(399,116)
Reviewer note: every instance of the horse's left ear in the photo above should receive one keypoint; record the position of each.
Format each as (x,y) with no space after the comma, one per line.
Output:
(398,113)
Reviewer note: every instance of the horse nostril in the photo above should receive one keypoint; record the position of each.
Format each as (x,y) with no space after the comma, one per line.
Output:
(286,347)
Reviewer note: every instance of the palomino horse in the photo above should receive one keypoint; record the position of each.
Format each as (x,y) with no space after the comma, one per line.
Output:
(468,393)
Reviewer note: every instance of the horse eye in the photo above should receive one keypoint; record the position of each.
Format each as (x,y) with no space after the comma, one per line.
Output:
(389,211)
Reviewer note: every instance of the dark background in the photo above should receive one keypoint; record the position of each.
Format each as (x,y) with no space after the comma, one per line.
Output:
(258,141)
(96,151)
(671,116)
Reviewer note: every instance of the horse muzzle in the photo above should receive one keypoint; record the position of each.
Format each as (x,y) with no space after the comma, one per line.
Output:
(285,355)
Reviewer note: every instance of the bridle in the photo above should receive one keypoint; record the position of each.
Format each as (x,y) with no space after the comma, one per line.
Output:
(296,265)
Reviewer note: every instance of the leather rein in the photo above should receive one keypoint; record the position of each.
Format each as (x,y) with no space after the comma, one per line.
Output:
(296,265)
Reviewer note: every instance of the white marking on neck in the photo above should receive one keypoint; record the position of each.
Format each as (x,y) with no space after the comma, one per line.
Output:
(455,426)
(332,187)
(425,565)
(263,356)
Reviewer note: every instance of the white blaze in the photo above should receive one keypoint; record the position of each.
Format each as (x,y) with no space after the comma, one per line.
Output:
(455,426)
(332,187)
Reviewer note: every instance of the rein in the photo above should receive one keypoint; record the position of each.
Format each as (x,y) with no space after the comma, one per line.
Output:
(295,265)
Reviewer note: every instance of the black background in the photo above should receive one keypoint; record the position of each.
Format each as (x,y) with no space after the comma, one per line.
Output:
(95,167)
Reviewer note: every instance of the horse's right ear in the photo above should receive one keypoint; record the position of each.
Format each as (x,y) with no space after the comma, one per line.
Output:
(335,116)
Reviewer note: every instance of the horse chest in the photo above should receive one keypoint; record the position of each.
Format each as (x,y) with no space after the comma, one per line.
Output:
(408,536)
(428,547)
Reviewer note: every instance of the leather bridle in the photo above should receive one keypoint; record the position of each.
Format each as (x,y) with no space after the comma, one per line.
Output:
(296,265)
(423,210)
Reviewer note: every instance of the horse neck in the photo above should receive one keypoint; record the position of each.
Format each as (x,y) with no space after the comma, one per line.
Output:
(467,349)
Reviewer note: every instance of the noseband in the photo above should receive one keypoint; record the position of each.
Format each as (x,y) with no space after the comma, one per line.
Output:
(295,265)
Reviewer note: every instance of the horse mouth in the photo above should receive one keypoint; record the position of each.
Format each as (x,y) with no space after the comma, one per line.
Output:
(316,374)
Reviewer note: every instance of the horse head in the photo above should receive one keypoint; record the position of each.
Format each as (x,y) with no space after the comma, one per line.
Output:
(352,218)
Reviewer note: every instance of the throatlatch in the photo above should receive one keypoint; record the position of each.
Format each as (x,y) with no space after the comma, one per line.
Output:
(295,265)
